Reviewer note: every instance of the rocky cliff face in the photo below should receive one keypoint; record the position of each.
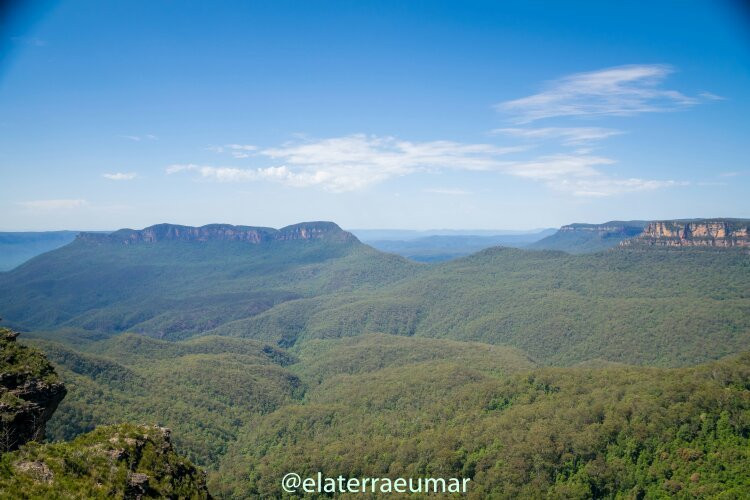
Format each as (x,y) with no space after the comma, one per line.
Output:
(698,233)
(29,393)
(223,232)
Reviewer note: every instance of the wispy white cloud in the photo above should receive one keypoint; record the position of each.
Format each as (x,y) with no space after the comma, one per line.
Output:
(560,166)
(711,96)
(569,136)
(619,91)
(138,138)
(61,204)
(121,176)
(242,147)
(234,174)
(447,191)
(181,167)
(601,187)
(579,176)
(356,161)
(235,150)
(241,150)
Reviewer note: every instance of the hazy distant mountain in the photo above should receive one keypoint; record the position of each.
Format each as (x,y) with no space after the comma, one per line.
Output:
(369,235)
(17,248)
(439,248)
(584,238)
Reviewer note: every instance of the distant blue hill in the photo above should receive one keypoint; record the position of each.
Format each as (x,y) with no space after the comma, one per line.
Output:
(584,238)
(369,235)
(442,247)
(17,248)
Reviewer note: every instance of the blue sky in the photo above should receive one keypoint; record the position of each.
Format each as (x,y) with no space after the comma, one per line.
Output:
(409,114)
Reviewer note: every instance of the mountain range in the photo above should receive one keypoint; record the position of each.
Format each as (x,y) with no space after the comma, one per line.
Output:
(421,246)
(535,372)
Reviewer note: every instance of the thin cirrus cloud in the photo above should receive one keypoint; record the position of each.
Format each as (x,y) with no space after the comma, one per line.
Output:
(619,91)
(353,162)
(578,175)
(59,204)
(235,150)
(234,174)
(568,136)
(557,167)
(447,191)
(139,138)
(604,186)
(711,96)
(120,176)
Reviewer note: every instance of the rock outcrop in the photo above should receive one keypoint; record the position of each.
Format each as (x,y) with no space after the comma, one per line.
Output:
(121,461)
(694,233)
(29,393)
(223,232)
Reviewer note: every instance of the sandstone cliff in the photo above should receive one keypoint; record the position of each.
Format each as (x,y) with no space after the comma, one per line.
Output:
(696,233)
(223,232)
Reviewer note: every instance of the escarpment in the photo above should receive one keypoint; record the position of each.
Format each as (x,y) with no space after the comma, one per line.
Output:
(223,232)
(697,233)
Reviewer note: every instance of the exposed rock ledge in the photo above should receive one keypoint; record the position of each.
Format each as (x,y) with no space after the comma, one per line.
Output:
(704,233)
